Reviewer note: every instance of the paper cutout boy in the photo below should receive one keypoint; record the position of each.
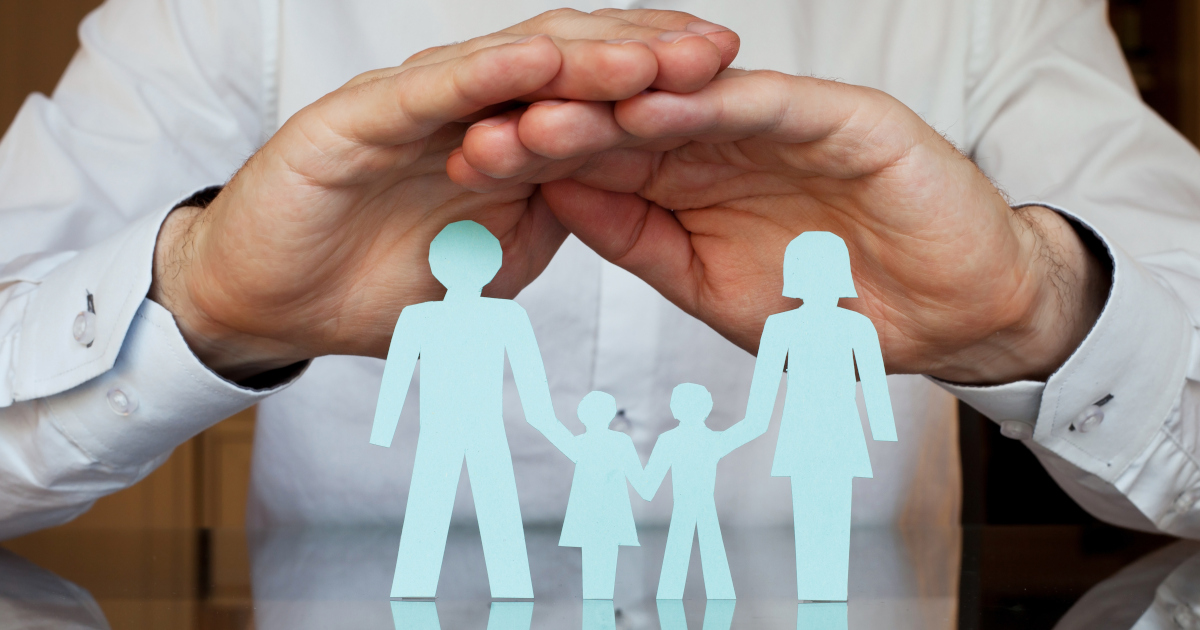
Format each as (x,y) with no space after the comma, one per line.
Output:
(821,444)
(599,517)
(461,341)
(691,451)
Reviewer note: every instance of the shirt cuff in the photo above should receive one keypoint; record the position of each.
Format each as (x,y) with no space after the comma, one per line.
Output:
(156,396)
(1103,407)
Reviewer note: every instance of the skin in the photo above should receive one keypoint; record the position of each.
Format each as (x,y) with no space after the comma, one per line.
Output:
(320,240)
(958,284)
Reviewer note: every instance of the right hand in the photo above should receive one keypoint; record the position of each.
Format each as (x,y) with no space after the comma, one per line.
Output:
(321,239)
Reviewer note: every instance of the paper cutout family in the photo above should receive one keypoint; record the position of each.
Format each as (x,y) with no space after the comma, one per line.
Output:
(461,342)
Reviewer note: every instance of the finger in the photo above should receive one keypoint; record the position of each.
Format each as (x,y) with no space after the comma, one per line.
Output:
(409,105)
(631,232)
(687,59)
(725,39)
(835,120)
(563,129)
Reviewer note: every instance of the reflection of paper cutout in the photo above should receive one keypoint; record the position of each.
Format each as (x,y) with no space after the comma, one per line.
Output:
(691,451)
(821,616)
(718,614)
(423,616)
(599,517)
(598,614)
(821,445)
(510,616)
(415,616)
(461,341)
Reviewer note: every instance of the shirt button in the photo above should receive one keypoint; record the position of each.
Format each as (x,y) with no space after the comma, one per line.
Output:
(1185,618)
(84,328)
(1184,502)
(1089,419)
(122,402)
(1016,430)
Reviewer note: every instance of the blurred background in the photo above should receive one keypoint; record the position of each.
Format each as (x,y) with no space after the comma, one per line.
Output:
(203,486)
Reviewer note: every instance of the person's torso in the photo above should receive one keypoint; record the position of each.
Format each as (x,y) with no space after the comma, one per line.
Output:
(598,327)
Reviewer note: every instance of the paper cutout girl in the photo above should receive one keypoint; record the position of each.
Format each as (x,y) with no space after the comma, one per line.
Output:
(821,444)
(599,517)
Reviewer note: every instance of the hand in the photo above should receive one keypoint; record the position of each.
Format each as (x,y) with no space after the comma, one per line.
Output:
(958,284)
(321,239)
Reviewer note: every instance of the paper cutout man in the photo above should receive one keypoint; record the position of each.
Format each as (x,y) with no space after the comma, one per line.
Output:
(599,517)
(691,451)
(718,614)
(424,616)
(461,341)
(821,444)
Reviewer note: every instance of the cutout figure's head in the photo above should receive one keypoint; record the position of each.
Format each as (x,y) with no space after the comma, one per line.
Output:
(464,256)
(691,403)
(597,410)
(816,266)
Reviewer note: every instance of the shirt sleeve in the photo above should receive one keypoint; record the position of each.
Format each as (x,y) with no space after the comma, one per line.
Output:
(1057,121)
(164,97)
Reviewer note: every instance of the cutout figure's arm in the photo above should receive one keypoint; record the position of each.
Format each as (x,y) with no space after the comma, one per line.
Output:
(656,470)
(768,369)
(397,375)
(631,464)
(532,386)
(869,359)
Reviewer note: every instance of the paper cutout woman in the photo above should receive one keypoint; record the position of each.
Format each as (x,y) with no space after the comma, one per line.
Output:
(461,341)
(599,517)
(691,451)
(821,443)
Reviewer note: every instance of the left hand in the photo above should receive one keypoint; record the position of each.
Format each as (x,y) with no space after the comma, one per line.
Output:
(958,284)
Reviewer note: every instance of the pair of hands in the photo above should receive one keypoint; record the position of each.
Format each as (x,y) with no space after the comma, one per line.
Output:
(627,129)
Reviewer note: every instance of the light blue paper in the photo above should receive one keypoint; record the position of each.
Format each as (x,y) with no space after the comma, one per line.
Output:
(691,451)
(822,616)
(599,517)
(598,614)
(821,444)
(718,614)
(461,342)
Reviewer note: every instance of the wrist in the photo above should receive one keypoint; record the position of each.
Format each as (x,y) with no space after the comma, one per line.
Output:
(233,355)
(1066,287)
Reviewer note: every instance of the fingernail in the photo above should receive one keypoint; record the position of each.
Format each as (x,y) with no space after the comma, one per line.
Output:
(550,102)
(623,41)
(494,121)
(705,28)
(672,37)
(528,38)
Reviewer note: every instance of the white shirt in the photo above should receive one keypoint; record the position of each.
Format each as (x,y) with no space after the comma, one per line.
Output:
(166,97)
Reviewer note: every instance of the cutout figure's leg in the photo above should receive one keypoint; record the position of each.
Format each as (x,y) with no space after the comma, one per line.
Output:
(415,616)
(676,557)
(510,616)
(671,615)
(718,614)
(599,571)
(598,614)
(436,470)
(824,616)
(499,514)
(822,516)
(718,584)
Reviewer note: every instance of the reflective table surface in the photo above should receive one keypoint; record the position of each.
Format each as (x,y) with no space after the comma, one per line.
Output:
(1061,577)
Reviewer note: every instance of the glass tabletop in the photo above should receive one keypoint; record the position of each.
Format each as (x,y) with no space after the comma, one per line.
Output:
(1061,577)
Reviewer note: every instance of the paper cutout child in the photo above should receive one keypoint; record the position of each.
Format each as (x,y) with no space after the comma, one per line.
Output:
(821,444)
(599,517)
(691,451)
(718,614)
(461,341)
(424,616)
